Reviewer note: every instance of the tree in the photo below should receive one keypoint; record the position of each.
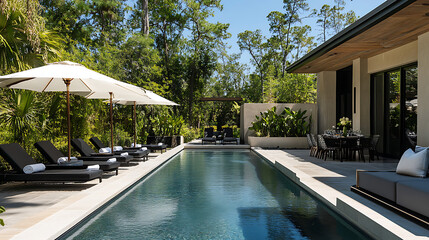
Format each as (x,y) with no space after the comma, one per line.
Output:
(324,21)
(204,38)
(282,23)
(19,112)
(253,43)
(24,40)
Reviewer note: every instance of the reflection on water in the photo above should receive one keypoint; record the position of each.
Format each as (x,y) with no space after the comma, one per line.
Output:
(217,195)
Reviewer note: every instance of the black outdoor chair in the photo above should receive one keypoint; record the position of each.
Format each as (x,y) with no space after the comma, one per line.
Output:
(228,136)
(370,144)
(88,154)
(18,158)
(52,154)
(325,149)
(350,147)
(313,148)
(208,136)
(316,144)
(137,154)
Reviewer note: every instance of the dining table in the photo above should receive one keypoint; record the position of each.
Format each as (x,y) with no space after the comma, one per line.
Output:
(347,145)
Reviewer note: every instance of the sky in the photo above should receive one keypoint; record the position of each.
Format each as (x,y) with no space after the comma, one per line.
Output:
(245,15)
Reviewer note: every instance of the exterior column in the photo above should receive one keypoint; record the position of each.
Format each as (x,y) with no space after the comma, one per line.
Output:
(326,100)
(361,96)
(423,90)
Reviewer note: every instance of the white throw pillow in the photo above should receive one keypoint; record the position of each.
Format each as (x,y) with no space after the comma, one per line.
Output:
(413,164)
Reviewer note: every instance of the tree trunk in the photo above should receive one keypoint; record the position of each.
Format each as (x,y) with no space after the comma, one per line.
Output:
(262,86)
(145,17)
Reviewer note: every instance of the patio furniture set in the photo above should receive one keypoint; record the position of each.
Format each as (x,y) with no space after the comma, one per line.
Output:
(225,136)
(342,147)
(89,166)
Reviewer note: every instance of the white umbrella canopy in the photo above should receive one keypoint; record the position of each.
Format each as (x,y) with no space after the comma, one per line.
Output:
(73,78)
(154,99)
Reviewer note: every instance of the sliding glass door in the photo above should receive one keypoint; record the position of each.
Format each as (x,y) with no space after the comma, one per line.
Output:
(394,109)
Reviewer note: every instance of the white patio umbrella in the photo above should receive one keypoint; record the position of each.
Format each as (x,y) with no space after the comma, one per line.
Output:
(154,99)
(72,78)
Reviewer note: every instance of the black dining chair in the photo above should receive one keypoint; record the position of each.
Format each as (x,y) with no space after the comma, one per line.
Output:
(370,143)
(311,145)
(326,149)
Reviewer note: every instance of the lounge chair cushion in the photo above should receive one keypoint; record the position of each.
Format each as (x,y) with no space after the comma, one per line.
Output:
(16,156)
(413,163)
(82,147)
(414,195)
(60,175)
(381,183)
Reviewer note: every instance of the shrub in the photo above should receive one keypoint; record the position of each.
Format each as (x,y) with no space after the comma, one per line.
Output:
(287,124)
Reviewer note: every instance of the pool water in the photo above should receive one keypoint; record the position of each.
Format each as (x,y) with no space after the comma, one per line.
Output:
(216,195)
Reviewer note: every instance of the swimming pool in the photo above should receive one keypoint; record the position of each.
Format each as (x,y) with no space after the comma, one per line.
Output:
(216,195)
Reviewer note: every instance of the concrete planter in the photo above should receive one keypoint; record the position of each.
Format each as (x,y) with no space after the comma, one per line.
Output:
(280,142)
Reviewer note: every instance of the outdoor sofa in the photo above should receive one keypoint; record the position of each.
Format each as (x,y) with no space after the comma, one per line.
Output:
(18,158)
(88,154)
(52,154)
(137,154)
(407,194)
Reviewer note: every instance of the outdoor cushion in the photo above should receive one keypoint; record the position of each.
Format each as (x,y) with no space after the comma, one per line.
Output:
(414,195)
(381,183)
(413,164)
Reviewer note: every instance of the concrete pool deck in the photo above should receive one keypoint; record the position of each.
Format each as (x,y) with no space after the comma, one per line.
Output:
(45,211)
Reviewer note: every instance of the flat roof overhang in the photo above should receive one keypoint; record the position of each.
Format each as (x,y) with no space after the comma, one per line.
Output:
(390,25)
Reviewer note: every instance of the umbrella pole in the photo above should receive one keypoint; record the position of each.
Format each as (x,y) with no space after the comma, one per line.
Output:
(111,120)
(135,123)
(67,81)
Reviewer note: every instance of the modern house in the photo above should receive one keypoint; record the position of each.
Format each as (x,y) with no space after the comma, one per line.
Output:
(376,72)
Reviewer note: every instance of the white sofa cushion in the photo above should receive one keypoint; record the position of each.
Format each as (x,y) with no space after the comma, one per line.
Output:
(413,163)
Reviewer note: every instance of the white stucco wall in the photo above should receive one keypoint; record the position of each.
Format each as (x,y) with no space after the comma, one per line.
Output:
(423,91)
(361,81)
(397,57)
(326,100)
(250,110)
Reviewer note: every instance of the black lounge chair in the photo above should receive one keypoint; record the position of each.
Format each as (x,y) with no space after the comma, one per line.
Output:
(18,158)
(137,154)
(151,147)
(229,136)
(88,154)
(208,136)
(51,153)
